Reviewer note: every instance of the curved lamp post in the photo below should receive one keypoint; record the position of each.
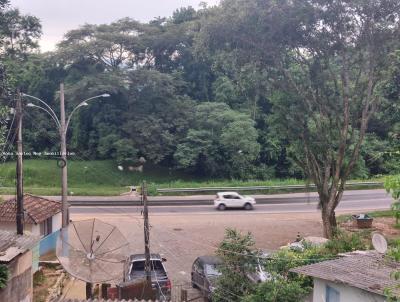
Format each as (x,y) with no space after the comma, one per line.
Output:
(62,126)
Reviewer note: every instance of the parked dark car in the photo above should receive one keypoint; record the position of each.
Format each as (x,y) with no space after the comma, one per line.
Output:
(205,273)
(159,277)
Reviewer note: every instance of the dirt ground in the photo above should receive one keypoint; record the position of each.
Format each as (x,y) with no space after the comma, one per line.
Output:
(42,281)
(383,225)
(182,238)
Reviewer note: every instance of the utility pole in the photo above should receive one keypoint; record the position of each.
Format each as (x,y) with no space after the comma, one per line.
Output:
(64,173)
(147,265)
(20,176)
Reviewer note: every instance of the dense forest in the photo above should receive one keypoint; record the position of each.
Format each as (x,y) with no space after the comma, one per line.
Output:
(230,91)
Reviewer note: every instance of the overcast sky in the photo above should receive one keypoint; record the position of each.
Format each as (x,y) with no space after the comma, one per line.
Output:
(59,16)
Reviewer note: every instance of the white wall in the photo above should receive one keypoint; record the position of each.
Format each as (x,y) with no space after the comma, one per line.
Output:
(347,293)
(35,229)
(57,222)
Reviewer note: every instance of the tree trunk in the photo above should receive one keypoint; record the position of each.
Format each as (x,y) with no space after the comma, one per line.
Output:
(332,219)
(328,221)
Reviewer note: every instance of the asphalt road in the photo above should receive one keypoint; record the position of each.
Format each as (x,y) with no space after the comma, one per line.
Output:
(352,201)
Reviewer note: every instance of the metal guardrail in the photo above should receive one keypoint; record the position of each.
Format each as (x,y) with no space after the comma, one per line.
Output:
(259,188)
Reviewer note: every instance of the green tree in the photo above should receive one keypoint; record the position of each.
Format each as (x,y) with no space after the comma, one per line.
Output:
(326,61)
(115,45)
(3,276)
(239,257)
(278,290)
(220,142)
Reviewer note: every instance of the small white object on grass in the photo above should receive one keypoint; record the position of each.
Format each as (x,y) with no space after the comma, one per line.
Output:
(379,243)
(120,168)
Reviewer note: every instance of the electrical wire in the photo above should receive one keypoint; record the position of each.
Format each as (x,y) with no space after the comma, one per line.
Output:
(184,238)
(95,171)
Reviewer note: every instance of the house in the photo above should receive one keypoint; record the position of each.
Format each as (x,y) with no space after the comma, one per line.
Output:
(42,217)
(16,254)
(360,276)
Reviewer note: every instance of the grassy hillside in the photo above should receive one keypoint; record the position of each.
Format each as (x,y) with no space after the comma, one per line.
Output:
(84,178)
(104,178)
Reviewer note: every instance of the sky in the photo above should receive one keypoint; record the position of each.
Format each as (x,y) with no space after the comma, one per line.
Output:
(59,16)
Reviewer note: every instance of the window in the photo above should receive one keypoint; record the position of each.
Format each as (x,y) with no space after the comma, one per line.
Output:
(46,227)
(332,295)
(211,270)
(199,268)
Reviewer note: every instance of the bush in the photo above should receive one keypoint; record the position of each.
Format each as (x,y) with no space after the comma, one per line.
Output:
(392,186)
(239,257)
(284,260)
(279,290)
(3,276)
(344,242)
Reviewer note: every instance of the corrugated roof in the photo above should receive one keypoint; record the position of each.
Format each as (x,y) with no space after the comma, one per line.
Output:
(368,270)
(37,209)
(11,245)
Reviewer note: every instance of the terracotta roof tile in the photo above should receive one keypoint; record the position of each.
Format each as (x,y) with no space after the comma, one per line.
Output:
(37,209)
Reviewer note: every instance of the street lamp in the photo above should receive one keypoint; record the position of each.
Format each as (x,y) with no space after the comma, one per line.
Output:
(62,126)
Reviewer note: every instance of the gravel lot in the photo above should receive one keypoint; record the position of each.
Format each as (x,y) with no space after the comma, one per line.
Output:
(181,238)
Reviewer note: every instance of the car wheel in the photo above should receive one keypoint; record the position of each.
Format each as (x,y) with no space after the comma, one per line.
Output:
(248,206)
(221,207)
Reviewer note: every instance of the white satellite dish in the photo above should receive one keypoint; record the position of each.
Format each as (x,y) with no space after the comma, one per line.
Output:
(379,243)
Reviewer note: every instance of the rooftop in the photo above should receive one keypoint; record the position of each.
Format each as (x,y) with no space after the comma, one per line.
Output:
(102,300)
(366,270)
(37,209)
(11,245)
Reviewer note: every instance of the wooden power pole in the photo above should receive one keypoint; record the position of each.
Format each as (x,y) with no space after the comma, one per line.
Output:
(20,176)
(146,233)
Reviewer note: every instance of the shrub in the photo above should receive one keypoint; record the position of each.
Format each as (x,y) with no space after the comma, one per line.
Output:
(238,259)
(279,289)
(3,276)
(344,242)
(392,186)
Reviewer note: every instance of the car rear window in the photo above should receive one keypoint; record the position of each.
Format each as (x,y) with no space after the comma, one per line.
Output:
(139,265)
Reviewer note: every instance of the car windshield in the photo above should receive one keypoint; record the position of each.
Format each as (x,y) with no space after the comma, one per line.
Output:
(211,270)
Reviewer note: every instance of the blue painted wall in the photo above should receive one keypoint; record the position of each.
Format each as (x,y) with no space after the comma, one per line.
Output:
(48,243)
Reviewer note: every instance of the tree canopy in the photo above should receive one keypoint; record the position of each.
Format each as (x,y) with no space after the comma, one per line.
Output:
(244,89)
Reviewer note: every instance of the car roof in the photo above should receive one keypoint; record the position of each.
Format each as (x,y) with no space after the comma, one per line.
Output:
(223,193)
(210,260)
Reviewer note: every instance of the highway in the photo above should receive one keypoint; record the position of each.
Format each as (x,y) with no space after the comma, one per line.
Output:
(357,201)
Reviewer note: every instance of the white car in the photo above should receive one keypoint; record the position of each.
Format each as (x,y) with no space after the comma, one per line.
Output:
(225,200)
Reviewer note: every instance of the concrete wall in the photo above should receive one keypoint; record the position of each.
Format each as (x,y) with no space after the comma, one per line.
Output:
(57,222)
(347,293)
(20,284)
(35,230)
